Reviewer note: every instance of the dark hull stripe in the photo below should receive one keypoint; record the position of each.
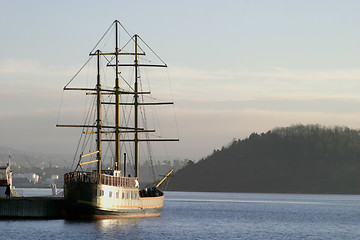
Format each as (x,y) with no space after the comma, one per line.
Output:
(86,211)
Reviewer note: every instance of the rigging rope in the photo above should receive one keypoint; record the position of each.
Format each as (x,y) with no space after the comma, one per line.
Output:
(172,99)
(103,36)
(152,51)
(77,73)
(61,102)
(123,28)
(84,129)
(92,51)
(143,114)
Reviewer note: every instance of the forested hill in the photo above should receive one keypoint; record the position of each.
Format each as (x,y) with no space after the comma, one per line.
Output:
(296,159)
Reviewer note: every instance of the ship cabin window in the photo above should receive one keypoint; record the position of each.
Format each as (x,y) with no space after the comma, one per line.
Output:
(123,195)
(117,194)
(101,193)
(134,195)
(110,194)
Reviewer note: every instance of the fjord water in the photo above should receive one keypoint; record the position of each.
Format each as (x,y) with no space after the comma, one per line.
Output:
(191,215)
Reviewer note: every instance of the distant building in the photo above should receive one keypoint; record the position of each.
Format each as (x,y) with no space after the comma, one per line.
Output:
(30,177)
(52,179)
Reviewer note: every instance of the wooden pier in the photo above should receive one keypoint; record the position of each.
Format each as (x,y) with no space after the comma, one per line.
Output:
(32,208)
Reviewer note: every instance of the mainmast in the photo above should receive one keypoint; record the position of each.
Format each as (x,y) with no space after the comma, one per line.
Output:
(136,104)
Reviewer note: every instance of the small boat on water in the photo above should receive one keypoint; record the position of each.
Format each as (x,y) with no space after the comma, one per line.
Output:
(6,188)
(111,192)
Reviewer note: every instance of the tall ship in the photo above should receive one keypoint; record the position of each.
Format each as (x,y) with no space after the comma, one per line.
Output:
(95,190)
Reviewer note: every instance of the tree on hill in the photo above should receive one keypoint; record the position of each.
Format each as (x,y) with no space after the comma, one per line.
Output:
(299,158)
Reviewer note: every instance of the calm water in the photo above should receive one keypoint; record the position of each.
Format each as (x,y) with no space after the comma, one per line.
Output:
(214,216)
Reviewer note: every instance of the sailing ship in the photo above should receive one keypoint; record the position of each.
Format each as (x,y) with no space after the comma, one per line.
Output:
(111,192)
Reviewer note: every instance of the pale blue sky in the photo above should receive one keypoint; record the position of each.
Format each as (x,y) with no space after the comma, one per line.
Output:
(236,67)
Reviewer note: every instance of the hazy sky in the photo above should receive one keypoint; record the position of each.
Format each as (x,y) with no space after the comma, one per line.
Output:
(236,67)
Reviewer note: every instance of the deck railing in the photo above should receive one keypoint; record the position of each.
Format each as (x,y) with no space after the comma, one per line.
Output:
(92,177)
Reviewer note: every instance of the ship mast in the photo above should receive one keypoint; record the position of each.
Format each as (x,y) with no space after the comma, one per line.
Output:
(98,117)
(117,129)
(117,100)
(136,104)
